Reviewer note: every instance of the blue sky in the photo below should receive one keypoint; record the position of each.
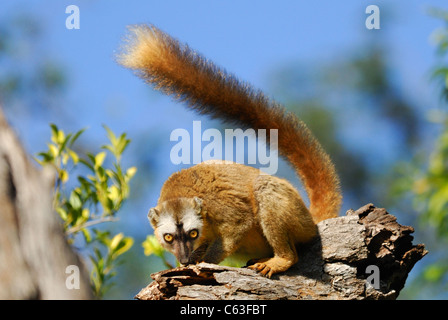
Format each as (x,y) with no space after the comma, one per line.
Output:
(247,39)
(251,39)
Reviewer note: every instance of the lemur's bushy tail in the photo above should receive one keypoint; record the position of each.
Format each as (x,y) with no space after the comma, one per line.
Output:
(178,71)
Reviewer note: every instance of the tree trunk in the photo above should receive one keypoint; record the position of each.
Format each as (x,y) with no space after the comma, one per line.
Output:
(34,254)
(363,255)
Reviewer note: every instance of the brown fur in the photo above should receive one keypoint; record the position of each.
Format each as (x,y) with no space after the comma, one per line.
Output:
(240,206)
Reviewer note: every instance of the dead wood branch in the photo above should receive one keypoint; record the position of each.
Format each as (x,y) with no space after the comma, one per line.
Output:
(333,266)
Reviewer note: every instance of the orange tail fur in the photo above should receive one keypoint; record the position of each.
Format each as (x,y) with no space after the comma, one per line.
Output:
(178,71)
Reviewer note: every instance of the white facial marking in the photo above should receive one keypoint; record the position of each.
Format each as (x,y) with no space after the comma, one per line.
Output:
(166,225)
(191,221)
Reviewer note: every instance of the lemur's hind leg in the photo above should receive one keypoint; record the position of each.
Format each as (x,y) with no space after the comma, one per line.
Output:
(284,220)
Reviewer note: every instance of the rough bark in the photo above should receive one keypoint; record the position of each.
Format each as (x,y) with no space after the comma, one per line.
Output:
(34,253)
(335,265)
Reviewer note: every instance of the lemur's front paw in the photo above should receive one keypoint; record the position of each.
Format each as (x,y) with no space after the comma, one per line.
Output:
(262,268)
(269,266)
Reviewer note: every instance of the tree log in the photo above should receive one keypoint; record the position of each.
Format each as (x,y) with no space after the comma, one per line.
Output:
(34,254)
(363,255)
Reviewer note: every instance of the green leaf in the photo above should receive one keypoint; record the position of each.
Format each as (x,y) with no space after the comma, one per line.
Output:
(62,213)
(75,137)
(63,142)
(120,244)
(99,257)
(152,246)
(110,173)
(438,200)
(87,235)
(87,164)
(91,157)
(74,201)
(443,71)
(109,206)
(111,136)
(74,156)
(117,145)
(58,136)
(114,194)
(102,176)
(122,144)
(99,159)
(85,213)
(130,173)
(61,137)
(53,150)
(47,157)
(124,246)
(65,158)
(115,241)
(54,130)
(63,175)
(102,237)
(434,273)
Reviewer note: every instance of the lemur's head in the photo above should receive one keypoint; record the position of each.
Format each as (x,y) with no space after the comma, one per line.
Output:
(178,225)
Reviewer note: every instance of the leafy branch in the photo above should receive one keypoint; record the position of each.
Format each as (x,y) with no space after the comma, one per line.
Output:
(152,247)
(93,199)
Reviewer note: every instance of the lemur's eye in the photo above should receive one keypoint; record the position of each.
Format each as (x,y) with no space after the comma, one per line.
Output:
(193,234)
(168,237)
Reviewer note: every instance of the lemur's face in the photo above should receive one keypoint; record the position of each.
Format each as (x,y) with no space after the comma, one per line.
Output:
(178,226)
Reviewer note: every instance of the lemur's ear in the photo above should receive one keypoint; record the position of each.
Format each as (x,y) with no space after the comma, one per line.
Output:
(153,216)
(197,204)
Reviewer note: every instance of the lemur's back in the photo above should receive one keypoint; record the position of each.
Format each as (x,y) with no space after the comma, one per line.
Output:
(219,185)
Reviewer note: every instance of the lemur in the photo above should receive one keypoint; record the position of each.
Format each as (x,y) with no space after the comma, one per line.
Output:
(211,211)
